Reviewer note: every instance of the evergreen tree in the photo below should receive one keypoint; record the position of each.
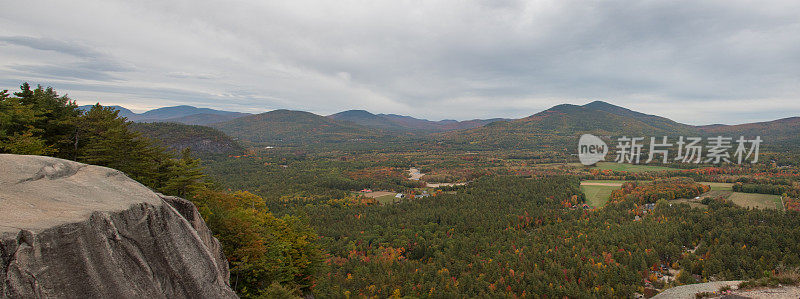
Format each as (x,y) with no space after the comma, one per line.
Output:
(18,135)
(184,176)
(58,118)
(108,142)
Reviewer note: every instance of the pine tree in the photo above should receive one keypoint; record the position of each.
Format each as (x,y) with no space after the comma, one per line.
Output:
(58,121)
(18,135)
(109,142)
(184,176)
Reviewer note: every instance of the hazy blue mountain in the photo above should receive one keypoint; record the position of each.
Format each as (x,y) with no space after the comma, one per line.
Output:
(295,127)
(395,122)
(124,112)
(183,114)
(202,118)
(177,112)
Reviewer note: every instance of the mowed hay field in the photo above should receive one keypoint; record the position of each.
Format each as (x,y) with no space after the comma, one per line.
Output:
(383,197)
(756,201)
(599,191)
(597,195)
(386,199)
(719,186)
(751,200)
(629,167)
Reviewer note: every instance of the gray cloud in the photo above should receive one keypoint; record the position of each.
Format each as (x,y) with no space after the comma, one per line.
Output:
(192,75)
(68,71)
(49,44)
(78,61)
(697,62)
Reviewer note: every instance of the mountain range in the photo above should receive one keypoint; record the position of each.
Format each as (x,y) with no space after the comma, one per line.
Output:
(559,127)
(556,127)
(178,114)
(394,122)
(293,127)
(387,122)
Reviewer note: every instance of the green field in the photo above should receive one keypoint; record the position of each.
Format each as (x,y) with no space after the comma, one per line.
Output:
(718,186)
(386,199)
(604,181)
(629,167)
(758,201)
(597,196)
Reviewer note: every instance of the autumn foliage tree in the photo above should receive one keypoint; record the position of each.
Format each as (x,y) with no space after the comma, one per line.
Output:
(263,249)
(651,192)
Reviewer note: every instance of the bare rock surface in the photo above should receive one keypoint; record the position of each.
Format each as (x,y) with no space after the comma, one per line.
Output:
(786,292)
(70,230)
(688,291)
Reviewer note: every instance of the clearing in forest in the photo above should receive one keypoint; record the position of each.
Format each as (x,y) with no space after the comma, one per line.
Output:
(718,186)
(758,201)
(598,192)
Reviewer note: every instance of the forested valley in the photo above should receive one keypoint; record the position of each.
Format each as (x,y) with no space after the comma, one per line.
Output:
(299,219)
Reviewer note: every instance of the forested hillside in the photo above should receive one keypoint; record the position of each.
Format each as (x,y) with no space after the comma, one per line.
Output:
(394,122)
(652,120)
(783,134)
(201,140)
(557,128)
(282,127)
(364,118)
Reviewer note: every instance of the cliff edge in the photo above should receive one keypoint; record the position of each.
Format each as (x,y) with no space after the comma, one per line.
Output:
(71,230)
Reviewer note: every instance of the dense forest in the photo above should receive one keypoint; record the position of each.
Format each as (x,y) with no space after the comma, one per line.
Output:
(506,236)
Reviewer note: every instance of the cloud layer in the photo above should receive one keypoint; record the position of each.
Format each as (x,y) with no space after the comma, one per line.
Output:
(695,62)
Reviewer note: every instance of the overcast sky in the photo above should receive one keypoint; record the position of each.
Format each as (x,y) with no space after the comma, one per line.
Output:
(697,62)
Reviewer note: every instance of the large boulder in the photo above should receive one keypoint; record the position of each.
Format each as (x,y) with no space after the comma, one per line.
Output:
(71,230)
